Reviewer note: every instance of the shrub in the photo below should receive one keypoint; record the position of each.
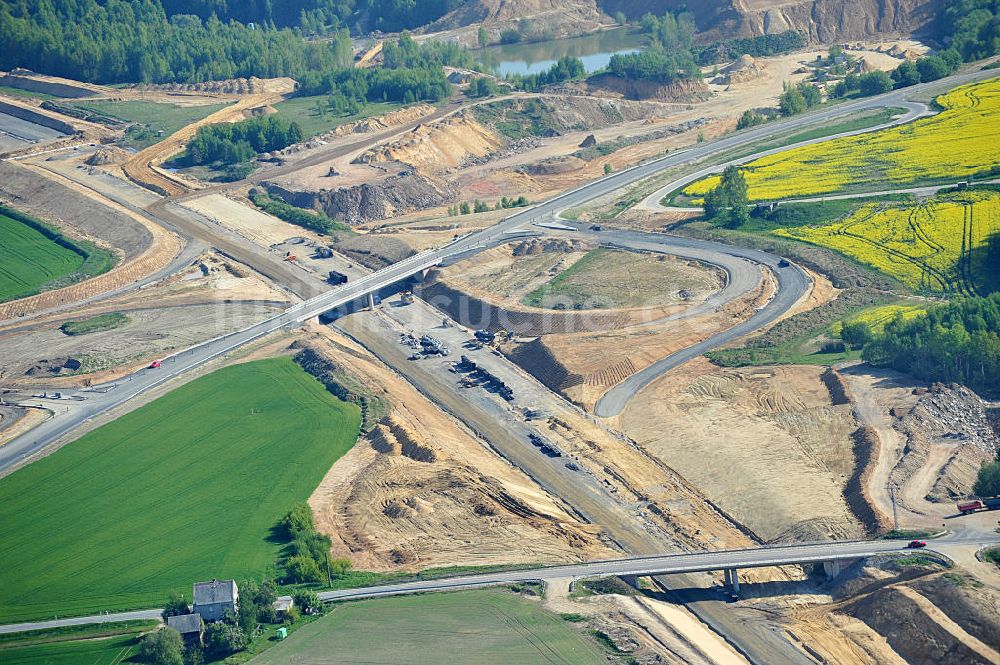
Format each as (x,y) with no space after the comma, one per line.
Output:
(303,568)
(176,606)
(988,481)
(163,647)
(308,601)
(298,520)
(874,83)
(223,638)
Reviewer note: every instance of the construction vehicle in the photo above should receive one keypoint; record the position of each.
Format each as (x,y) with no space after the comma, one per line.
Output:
(991,503)
(406,298)
(335,277)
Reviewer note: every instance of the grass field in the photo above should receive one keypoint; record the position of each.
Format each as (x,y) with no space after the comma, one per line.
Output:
(956,144)
(606,278)
(303,111)
(183,489)
(108,321)
(24,94)
(98,644)
(940,245)
(469,627)
(156,116)
(29,260)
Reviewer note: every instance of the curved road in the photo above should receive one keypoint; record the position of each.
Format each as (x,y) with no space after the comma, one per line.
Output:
(22,449)
(793,283)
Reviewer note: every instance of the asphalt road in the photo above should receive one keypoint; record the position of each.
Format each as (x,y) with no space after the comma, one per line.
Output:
(639,566)
(23,448)
(793,283)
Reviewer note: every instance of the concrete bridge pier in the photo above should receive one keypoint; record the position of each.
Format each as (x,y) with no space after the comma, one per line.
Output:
(631,580)
(371,301)
(732,577)
(832,568)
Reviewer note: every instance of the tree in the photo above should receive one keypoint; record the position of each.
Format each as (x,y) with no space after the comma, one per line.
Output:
(728,202)
(874,83)
(856,334)
(608,169)
(933,68)
(484,36)
(810,94)
(906,74)
(464,208)
(162,647)
(750,119)
(791,101)
(297,520)
(303,568)
(308,601)
(988,481)
(223,638)
(620,18)
(176,606)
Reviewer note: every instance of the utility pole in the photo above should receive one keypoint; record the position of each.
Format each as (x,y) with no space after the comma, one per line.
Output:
(895,515)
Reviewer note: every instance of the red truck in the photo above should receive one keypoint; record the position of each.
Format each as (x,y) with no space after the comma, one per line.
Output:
(974,505)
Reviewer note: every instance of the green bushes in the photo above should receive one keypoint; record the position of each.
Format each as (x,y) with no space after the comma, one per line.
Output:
(308,552)
(315,221)
(566,68)
(233,143)
(405,85)
(108,321)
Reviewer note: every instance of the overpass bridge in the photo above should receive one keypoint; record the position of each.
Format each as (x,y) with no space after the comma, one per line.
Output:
(730,561)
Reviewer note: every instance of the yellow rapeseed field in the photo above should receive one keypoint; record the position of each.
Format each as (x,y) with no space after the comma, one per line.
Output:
(938,245)
(958,142)
(877,317)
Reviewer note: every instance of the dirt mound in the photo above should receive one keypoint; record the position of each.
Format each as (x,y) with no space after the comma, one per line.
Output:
(554,165)
(922,632)
(376,123)
(476,313)
(438,146)
(538,361)
(681,90)
(951,421)
(374,251)
(742,70)
(536,246)
(105,156)
(395,195)
(466,507)
(238,86)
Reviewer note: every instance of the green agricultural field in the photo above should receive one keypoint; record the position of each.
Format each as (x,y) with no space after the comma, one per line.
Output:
(303,111)
(29,260)
(97,644)
(103,651)
(155,116)
(470,627)
(183,489)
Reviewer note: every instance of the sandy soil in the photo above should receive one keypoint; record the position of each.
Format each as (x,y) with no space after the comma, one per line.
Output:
(640,280)
(208,299)
(246,220)
(30,418)
(141,168)
(389,511)
(156,256)
(766,444)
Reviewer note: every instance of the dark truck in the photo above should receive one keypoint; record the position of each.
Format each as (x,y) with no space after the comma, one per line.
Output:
(974,505)
(336,278)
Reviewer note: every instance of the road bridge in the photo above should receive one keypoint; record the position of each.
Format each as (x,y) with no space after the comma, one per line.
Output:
(730,561)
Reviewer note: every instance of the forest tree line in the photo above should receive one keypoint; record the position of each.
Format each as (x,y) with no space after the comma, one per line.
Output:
(958,342)
(116,41)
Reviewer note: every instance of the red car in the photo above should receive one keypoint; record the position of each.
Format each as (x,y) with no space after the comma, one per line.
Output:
(915,544)
(155,364)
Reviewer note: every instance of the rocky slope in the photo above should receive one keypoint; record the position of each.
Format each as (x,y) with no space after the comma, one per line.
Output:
(533,18)
(822,20)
